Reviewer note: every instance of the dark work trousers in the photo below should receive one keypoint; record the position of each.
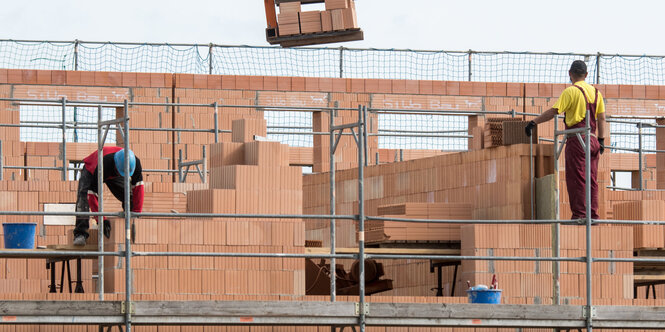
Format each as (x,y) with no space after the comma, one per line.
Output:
(88,182)
(576,177)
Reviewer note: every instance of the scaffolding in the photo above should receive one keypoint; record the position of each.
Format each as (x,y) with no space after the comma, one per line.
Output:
(334,313)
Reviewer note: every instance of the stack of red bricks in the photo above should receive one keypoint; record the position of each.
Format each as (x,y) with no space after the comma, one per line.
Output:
(495,182)
(530,282)
(338,15)
(382,231)
(247,177)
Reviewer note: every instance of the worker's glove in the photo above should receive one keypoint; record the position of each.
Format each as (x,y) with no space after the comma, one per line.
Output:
(601,141)
(529,128)
(107,228)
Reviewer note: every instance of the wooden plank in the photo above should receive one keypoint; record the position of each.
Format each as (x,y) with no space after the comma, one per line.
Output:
(71,247)
(60,308)
(246,308)
(317,38)
(479,311)
(391,251)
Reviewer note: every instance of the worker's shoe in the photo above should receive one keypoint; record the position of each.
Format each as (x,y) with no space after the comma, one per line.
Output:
(107,229)
(79,240)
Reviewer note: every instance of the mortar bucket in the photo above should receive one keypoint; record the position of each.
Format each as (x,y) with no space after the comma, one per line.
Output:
(19,235)
(492,296)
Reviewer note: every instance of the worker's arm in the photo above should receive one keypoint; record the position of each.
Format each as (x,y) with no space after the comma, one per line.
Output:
(137,188)
(546,116)
(602,132)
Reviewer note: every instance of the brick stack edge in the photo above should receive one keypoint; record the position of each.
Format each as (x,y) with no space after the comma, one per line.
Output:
(486,179)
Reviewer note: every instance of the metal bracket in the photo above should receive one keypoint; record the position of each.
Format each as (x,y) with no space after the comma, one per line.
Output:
(123,307)
(358,308)
(585,312)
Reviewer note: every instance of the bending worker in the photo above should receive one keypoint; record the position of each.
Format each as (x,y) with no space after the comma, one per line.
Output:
(578,101)
(87,198)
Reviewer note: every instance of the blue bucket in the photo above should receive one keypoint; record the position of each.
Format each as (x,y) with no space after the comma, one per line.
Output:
(491,296)
(19,235)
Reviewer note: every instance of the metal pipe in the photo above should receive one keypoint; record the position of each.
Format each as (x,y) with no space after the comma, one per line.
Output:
(64,139)
(639,128)
(361,217)
(57,253)
(236,254)
(531,184)
(589,254)
(204,175)
(460,221)
(2,164)
(76,54)
(100,192)
(248,216)
(364,135)
(556,228)
(333,272)
(128,213)
(214,105)
(424,136)
(476,258)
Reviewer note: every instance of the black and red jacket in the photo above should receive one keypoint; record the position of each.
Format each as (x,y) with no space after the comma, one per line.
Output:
(114,180)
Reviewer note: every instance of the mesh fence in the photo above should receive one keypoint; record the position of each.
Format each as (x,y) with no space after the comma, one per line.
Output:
(85,117)
(422,132)
(626,135)
(525,67)
(327,62)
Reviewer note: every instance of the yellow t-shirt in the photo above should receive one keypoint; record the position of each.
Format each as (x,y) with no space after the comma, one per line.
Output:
(572,102)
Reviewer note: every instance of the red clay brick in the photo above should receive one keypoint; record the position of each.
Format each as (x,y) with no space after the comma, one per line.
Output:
(531,89)
(87,78)
(143,79)
(14,76)
(385,86)
(200,81)
(411,87)
(228,82)
(372,86)
(625,91)
(214,82)
(284,83)
(544,90)
(184,81)
(102,78)
(439,87)
(29,76)
(338,85)
(256,82)
(661,92)
(311,84)
(115,79)
(611,91)
(479,89)
(3,76)
(466,88)
(242,82)
(297,84)
(453,88)
(651,92)
(515,89)
(399,86)
(44,77)
(269,83)
(129,79)
(58,77)
(325,84)
(639,91)
(426,87)
(357,85)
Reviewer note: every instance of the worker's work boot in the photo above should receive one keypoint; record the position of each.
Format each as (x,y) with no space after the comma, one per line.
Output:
(79,240)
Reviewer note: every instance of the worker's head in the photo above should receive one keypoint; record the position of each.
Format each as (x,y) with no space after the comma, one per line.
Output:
(577,71)
(119,159)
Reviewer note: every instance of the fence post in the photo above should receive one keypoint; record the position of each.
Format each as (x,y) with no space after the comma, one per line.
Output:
(341,62)
(470,52)
(76,54)
(210,59)
(598,56)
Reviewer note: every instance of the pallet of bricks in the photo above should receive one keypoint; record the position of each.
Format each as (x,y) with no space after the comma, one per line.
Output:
(506,131)
(339,15)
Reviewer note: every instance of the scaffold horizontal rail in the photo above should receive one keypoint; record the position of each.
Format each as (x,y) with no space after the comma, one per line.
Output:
(329,313)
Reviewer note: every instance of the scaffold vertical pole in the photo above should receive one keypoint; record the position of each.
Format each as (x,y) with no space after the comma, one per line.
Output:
(128,213)
(331,122)
(556,228)
(216,122)
(210,59)
(64,139)
(361,217)
(100,193)
(341,62)
(2,171)
(589,259)
(76,54)
(640,156)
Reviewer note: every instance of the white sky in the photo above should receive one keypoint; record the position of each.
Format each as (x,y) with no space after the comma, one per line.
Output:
(627,27)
